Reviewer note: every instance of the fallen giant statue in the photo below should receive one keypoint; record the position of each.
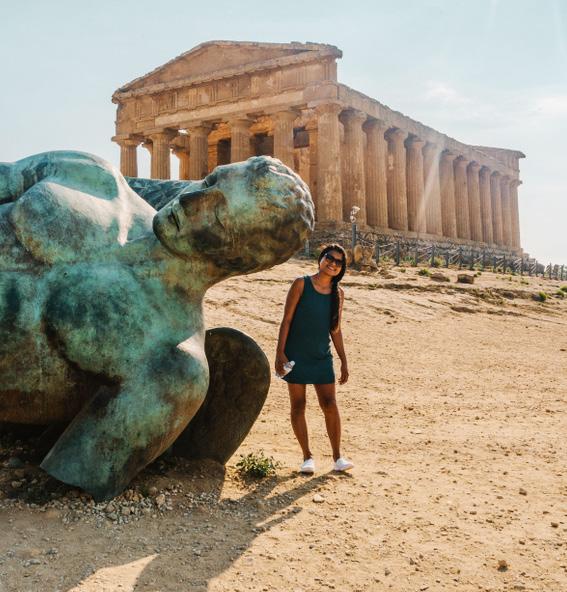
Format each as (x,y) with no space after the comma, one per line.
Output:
(102,280)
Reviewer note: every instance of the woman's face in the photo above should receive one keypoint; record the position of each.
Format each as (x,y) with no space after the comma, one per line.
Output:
(331,263)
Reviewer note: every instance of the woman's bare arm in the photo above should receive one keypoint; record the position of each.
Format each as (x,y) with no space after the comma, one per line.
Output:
(291,301)
(337,337)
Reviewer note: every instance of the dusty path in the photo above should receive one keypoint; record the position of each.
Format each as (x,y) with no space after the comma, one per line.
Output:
(455,415)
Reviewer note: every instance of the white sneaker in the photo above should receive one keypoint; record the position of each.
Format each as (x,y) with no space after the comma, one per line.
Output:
(308,466)
(342,464)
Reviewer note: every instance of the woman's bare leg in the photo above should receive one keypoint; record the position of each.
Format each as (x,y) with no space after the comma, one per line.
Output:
(328,403)
(298,423)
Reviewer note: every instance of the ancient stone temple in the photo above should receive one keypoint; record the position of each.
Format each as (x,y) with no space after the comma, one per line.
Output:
(224,101)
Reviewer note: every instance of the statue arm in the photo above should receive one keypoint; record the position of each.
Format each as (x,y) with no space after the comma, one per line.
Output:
(56,224)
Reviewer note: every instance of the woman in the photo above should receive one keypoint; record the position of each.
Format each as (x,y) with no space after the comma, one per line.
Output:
(312,314)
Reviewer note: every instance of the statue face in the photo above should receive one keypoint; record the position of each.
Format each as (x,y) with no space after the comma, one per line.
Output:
(245,216)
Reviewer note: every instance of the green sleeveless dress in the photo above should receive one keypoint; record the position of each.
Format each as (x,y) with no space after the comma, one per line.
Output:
(309,341)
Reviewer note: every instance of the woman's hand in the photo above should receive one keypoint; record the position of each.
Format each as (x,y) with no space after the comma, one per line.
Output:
(281,359)
(344,373)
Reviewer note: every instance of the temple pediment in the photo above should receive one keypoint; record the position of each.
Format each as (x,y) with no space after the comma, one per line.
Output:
(217,57)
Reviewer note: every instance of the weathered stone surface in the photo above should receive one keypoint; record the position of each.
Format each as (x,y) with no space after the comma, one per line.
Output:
(101,320)
(465,278)
(439,277)
(239,383)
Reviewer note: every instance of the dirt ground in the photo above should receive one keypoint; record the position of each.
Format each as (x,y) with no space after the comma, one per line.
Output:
(455,417)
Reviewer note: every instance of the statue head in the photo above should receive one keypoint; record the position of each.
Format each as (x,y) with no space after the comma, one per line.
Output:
(243,217)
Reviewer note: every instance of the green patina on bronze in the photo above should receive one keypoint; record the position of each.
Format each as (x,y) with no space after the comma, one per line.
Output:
(101,320)
(238,386)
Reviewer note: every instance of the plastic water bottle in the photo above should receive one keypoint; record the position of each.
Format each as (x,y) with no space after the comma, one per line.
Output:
(287,367)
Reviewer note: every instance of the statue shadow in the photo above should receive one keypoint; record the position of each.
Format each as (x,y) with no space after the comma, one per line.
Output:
(206,541)
(182,549)
(230,533)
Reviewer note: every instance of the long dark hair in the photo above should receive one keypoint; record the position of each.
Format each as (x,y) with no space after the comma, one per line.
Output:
(335,298)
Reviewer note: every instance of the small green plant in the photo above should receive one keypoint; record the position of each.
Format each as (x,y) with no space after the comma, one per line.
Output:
(560,294)
(257,465)
(437,262)
(563,288)
(423,271)
(541,296)
(402,269)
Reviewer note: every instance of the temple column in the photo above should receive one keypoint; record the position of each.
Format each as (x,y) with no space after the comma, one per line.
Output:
(180,148)
(462,198)
(376,177)
(160,167)
(496,206)
(506,211)
(283,136)
(473,184)
(432,191)
(354,182)
(485,205)
(396,180)
(239,139)
(313,141)
(199,149)
(129,156)
(515,213)
(329,190)
(447,174)
(415,184)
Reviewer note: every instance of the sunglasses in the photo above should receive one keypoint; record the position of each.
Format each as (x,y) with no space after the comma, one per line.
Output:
(332,259)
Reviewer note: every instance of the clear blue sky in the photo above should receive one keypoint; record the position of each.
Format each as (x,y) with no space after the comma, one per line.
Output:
(490,72)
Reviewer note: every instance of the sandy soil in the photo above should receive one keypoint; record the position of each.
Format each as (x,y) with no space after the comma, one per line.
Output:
(455,416)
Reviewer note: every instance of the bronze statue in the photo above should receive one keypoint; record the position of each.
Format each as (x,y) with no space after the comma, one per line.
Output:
(101,321)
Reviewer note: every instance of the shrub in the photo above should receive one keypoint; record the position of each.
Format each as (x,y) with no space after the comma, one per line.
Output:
(541,296)
(563,288)
(437,262)
(402,269)
(560,294)
(257,465)
(423,271)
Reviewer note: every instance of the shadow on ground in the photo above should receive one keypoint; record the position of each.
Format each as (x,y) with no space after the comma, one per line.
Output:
(182,549)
